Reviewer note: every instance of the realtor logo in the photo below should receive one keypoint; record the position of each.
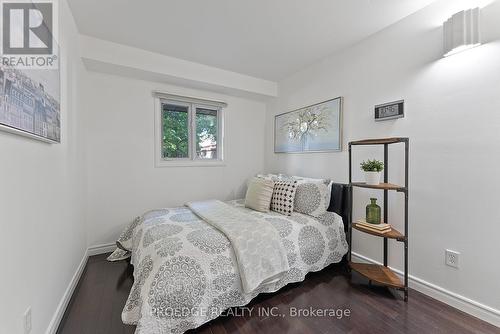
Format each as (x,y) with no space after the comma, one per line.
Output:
(27,28)
(28,34)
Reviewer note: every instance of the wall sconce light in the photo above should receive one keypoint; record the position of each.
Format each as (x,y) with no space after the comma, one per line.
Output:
(461,31)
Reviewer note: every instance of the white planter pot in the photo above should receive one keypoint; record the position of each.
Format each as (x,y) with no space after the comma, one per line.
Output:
(372,178)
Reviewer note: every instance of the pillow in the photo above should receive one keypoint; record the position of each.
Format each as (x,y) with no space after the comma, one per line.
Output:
(259,194)
(283,197)
(312,199)
(275,177)
(301,179)
(328,182)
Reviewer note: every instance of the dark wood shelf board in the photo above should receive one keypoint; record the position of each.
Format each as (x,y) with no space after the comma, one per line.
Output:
(379,141)
(392,234)
(377,273)
(384,186)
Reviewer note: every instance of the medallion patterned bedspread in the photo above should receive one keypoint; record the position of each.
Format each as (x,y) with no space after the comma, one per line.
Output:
(186,271)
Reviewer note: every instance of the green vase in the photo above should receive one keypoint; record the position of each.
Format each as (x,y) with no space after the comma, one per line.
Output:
(373,212)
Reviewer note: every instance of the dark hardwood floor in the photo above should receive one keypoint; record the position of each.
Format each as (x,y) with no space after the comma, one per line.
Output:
(103,289)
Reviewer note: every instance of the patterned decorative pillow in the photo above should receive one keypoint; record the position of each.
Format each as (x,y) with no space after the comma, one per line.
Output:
(312,199)
(283,197)
(327,182)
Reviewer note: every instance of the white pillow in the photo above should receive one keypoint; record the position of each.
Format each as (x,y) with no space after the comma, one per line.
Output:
(312,198)
(276,177)
(302,179)
(259,194)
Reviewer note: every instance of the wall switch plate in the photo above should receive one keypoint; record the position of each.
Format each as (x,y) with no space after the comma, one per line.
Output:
(27,321)
(452,258)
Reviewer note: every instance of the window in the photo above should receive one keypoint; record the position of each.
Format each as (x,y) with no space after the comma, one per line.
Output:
(175,128)
(207,130)
(189,131)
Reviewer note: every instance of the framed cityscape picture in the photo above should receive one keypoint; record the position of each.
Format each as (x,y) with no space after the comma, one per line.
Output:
(30,103)
(29,70)
(316,128)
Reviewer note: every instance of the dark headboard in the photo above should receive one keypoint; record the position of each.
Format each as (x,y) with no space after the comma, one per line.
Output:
(340,202)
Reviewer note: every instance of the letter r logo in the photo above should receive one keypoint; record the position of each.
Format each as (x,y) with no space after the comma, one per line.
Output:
(27,28)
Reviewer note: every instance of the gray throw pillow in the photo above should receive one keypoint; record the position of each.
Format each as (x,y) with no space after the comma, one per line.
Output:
(312,199)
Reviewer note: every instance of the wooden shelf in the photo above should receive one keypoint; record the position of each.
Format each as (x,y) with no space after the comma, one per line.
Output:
(377,273)
(384,186)
(380,141)
(392,234)
(381,273)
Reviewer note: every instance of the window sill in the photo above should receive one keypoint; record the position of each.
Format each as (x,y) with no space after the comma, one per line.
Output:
(189,163)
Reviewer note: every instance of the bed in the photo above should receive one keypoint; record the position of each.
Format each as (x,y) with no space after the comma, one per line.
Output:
(188,269)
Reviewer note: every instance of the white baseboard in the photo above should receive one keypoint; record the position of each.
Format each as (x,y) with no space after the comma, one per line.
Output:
(453,299)
(61,308)
(101,249)
(63,304)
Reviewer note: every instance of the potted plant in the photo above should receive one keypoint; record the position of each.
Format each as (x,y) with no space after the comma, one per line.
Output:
(372,169)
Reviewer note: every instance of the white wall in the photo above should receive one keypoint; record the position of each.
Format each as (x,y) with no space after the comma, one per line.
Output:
(113,58)
(42,229)
(122,179)
(453,122)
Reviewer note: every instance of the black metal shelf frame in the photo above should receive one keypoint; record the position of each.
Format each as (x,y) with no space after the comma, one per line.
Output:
(385,143)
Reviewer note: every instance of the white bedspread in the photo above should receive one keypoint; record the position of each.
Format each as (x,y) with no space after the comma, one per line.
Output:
(260,256)
(187,272)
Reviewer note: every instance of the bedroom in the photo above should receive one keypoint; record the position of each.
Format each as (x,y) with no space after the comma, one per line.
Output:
(89,147)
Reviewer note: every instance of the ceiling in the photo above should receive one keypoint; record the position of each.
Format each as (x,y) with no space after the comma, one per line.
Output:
(268,39)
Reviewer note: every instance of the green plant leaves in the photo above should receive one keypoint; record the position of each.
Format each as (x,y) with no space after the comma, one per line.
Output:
(372,166)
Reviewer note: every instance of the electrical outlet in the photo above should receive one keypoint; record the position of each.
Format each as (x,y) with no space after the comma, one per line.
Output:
(452,258)
(27,321)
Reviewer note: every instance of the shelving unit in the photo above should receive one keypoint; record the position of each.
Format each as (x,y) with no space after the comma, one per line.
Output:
(373,272)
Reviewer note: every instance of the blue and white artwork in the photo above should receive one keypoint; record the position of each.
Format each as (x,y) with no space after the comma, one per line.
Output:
(315,128)
(30,102)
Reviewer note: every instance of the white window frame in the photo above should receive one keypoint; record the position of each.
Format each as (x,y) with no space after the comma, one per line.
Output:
(192,103)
